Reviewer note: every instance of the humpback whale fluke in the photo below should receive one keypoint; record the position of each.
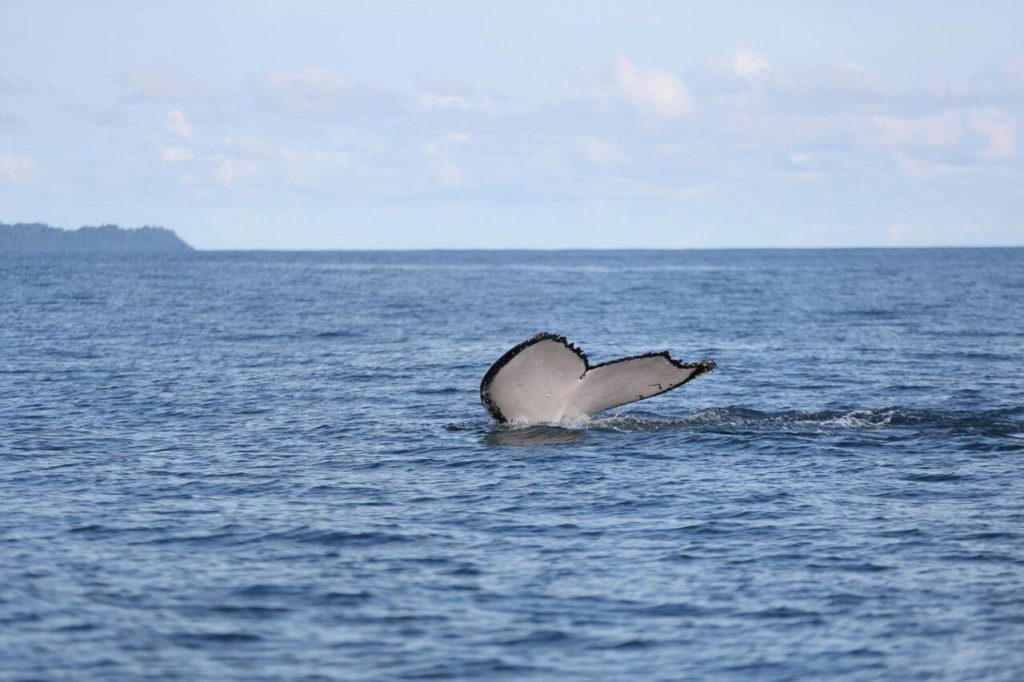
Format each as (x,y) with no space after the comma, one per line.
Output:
(546,379)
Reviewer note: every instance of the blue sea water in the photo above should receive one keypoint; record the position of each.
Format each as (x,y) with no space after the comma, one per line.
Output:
(275,466)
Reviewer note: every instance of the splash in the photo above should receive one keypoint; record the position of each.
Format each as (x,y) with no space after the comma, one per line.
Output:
(733,418)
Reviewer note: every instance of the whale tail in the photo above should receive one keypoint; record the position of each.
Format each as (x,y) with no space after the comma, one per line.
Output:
(546,379)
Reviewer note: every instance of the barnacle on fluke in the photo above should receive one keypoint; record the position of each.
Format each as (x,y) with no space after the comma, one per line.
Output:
(547,379)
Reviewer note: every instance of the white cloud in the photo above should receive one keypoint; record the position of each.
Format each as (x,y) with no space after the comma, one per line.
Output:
(311,89)
(651,92)
(308,167)
(17,169)
(450,175)
(999,128)
(946,130)
(307,83)
(448,99)
(178,125)
(439,146)
(227,170)
(163,86)
(249,146)
(902,132)
(600,152)
(750,65)
(917,168)
(437,153)
(175,154)
(432,100)
(842,80)
(248,164)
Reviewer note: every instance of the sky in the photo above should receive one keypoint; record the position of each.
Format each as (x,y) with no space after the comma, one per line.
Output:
(455,124)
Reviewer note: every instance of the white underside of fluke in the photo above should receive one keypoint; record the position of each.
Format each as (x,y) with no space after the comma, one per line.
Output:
(548,380)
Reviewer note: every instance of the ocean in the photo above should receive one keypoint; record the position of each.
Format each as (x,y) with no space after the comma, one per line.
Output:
(276,466)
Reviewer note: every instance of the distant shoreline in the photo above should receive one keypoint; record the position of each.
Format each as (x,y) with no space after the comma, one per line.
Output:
(42,238)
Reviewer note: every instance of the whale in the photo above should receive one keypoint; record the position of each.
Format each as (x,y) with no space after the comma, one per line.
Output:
(548,380)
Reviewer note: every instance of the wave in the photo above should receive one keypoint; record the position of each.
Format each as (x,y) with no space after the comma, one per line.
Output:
(1003,423)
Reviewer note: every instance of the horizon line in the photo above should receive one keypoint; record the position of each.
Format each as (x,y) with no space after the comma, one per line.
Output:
(614,248)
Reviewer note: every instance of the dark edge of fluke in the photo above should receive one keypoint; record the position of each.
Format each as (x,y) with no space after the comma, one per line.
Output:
(704,366)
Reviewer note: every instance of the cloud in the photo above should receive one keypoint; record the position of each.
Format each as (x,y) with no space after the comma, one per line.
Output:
(163,86)
(450,175)
(111,116)
(178,125)
(443,143)
(650,92)
(17,169)
(308,167)
(618,130)
(947,131)
(917,168)
(844,80)
(750,66)
(454,97)
(433,100)
(227,170)
(175,154)
(311,89)
(308,84)
(600,152)
(937,131)
(438,154)
(1000,130)
(248,165)
(13,86)
(746,78)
